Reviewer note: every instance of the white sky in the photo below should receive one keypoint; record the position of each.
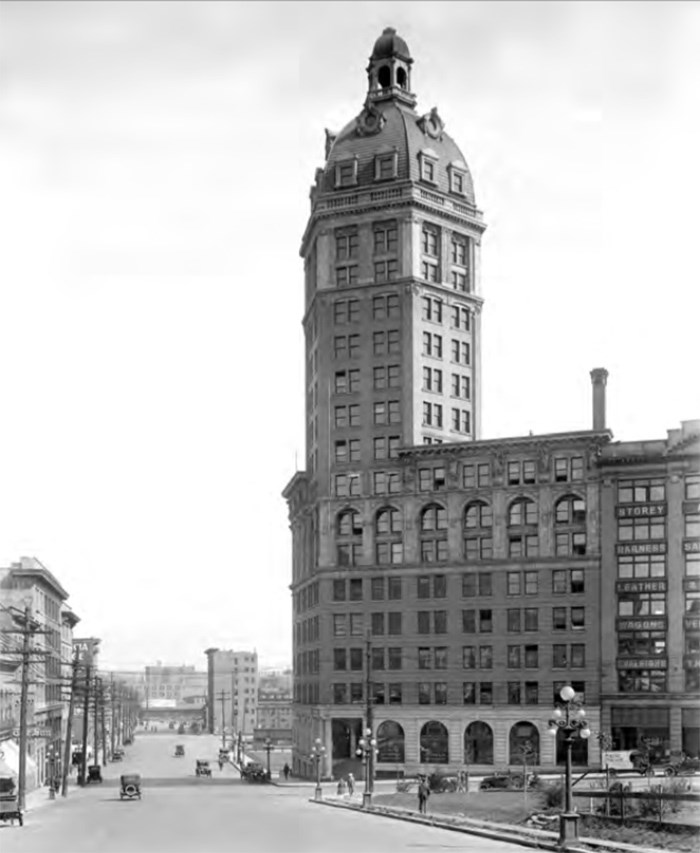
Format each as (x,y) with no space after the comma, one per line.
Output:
(155,162)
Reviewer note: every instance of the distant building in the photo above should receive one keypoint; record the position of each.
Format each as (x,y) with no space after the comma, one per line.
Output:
(232,691)
(174,685)
(274,710)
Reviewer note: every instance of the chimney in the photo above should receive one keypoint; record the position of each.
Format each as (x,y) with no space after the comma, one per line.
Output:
(599,378)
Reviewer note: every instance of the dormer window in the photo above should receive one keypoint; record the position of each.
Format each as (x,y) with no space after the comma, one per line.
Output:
(346,173)
(457,175)
(386,166)
(428,163)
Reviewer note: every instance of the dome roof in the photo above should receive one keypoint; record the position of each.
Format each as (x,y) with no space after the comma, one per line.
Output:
(407,133)
(389,44)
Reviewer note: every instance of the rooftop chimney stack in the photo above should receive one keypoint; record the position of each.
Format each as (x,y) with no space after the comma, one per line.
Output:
(599,378)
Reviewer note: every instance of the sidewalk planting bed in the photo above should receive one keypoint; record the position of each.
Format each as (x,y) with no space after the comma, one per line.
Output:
(510,807)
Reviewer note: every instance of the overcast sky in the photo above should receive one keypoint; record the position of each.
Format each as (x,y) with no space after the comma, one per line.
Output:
(155,162)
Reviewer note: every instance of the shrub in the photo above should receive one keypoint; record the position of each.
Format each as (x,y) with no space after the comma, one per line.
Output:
(552,793)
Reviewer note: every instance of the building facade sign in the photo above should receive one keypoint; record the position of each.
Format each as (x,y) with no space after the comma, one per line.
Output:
(85,649)
(640,624)
(692,623)
(632,548)
(657,585)
(691,546)
(691,584)
(642,663)
(691,661)
(691,507)
(640,510)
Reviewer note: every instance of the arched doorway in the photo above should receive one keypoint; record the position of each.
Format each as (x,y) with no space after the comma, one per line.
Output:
(524,744)
(434,747)
(390,743)
(478,743)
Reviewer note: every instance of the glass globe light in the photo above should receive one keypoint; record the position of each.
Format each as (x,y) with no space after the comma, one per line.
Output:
(585,732)
(558,713)
(373,742)
(363,742)
(581,713)
(318,741)
(368,732)
(553,731)
(567,693)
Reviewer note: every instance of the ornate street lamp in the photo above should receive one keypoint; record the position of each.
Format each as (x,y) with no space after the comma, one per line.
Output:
(572,722)
(367,751)
(268,749)
(317,754)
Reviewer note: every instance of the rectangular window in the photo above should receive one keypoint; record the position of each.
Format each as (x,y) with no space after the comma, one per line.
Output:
(531,657)
(469,621)
(459,281)
(641,491)
(394,590)
(559,619)
(339,625)
(394,621)
(377,589)
(514,620)
(513,692)
(468,657)
(395,694)
(459,250)
(356,659)
(356,694)
(486,693)
(485,621)
(377,658)
(339,590)
(425,658)
(485,657)
(430,241)
(340,694)
(429,271)
(513,583)
(513,657)
(356,624)
(531,693)
(346,276)
(385,238)
(468,693)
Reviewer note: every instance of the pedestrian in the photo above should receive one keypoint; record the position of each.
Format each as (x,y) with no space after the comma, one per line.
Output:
(351,784)
(423,794)
(221,763)
(286,770)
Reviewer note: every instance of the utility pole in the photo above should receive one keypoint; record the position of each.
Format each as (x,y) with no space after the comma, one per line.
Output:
(86,718)
(102,722)
(368,713)
(96,757)
(67,752)
(22,781)
(223,696)
(113,724)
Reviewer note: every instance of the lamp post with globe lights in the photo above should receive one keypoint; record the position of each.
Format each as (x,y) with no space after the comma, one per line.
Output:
(572,722)
(317,753)
(367,749)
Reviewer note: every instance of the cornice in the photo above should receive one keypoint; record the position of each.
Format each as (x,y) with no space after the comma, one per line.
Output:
(474,448)
(408,201)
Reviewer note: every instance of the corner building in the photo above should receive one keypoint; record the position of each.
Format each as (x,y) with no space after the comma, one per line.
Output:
(417,547)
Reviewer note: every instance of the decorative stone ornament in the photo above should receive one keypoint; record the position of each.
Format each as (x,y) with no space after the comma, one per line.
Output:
(369,122)
(431,124)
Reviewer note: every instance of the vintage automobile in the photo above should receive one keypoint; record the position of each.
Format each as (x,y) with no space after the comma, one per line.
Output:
(680,764)
(254,773)
(202,768)
(118,754)
(94,773)
(179,750)
(130,786)
(9,804)
(507,782)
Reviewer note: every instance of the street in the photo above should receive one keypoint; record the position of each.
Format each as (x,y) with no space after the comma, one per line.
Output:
(180,813)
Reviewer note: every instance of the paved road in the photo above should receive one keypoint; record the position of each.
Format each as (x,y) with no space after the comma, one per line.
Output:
(185,815)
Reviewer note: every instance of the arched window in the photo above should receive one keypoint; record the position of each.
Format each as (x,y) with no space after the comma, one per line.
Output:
(349,523)
(384,77)
(524,743)
(391,743)
(433,526)
(433,517)
(478,541)
(388,536)
(523,540)
(570,512)
(434,744)
(349,532)
(522,512)
(478,744)
(401,77)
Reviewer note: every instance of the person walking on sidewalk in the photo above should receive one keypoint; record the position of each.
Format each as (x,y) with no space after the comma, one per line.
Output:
(286,770)
(423,794)
(351,784)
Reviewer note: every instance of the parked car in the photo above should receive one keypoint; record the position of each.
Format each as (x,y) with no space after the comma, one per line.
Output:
(507,782)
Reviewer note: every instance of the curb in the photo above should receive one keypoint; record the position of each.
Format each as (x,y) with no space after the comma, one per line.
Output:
(540,839)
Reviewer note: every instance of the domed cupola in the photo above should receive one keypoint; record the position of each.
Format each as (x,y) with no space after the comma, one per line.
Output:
(389,70)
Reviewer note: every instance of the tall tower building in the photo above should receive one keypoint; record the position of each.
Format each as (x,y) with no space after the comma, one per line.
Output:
(393,345)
